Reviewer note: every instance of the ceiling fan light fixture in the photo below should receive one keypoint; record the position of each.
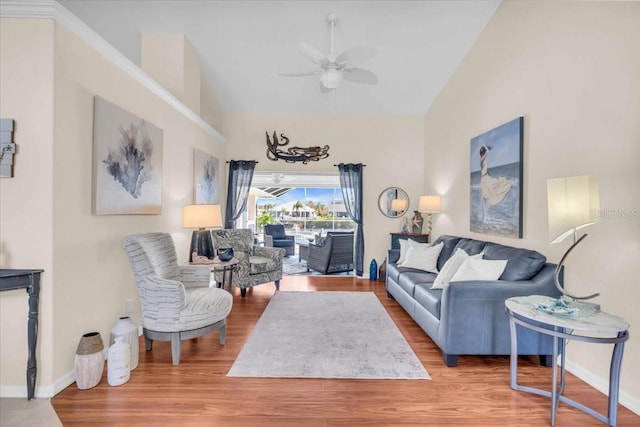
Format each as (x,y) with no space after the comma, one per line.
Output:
(331,78)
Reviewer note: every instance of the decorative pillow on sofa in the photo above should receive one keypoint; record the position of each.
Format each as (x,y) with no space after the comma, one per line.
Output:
(404,248)
(451,267)
(422,257)
(479,269)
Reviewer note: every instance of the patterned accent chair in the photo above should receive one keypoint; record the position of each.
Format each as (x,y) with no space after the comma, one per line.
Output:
(176,301)
(256,265)
(275,237)
(331,254)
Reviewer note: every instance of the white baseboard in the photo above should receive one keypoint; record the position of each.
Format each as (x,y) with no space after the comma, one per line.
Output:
(602,385)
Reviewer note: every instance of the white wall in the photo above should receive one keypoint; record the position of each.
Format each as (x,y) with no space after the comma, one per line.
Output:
(572,69)
(390,146)
(88,278)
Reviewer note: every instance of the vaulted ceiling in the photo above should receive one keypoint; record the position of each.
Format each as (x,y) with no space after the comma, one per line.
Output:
(243,46)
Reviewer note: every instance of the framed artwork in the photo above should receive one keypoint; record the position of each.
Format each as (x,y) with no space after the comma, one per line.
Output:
(205,177)
(496,180)
(127,162)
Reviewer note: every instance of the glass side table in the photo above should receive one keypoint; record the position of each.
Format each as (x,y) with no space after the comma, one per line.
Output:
(525,312)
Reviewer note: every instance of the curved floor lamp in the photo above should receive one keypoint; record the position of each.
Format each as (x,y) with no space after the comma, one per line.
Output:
(573,203)
(201,217)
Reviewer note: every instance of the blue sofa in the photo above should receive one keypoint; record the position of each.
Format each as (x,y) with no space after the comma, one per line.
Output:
(468,317)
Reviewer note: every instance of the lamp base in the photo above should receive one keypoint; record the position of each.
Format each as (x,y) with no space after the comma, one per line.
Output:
(201,244)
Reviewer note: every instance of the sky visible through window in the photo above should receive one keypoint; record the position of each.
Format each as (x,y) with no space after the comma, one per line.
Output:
(304,195)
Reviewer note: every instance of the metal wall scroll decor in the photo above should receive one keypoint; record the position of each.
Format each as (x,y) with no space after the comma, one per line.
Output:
(7,148)
(293,154)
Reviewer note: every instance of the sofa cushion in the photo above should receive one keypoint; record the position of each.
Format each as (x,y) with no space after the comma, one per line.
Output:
(275,230)
(428,298)
(449,244)
(410,278)
(471,246)
(522,264)
(283,243)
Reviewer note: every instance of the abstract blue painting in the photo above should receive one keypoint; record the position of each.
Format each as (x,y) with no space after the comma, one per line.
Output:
(205,176)
(496,180)
(127,162)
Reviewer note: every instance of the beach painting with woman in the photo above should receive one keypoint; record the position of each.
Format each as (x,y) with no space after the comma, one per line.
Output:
(496,180)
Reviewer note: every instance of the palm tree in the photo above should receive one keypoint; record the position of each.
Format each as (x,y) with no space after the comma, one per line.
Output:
(297,206)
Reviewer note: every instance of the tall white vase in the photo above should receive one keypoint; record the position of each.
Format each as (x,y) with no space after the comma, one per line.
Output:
(89,361)
(118,371)
(128,330)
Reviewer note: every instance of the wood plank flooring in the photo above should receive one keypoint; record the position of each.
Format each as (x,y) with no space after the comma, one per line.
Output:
(198,393)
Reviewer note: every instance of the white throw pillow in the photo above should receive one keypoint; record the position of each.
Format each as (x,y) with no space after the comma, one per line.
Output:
(423,257)
(479,269)
(404,248)
(451,267)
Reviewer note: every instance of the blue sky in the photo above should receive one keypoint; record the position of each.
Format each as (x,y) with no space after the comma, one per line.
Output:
(316,195)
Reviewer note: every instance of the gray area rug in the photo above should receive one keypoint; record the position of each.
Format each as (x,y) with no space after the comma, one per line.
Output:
(290,265)
(327,335)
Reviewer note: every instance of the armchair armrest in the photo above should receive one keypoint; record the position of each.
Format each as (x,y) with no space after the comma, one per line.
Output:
(162,301)
(268,240)
(194,276)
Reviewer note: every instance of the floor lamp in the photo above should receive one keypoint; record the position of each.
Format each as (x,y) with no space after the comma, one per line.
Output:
(573,203)
(201,217)
(430,205)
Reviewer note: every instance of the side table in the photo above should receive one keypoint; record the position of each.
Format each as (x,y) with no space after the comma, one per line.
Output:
(224,267)
(524,311)
(30,281)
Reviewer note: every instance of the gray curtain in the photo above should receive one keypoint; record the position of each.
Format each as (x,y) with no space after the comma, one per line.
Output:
(240,177)
(351,185)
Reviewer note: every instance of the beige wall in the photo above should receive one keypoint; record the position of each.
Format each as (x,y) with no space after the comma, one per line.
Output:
(26,200)
(88,276)
(572,70)
(390,146)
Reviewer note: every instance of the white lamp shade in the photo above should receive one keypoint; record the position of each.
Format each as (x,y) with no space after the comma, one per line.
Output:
(430,204)
(399,205)
(573,203)
(201,216)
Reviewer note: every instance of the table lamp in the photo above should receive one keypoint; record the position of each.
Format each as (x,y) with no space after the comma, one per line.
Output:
(201,217)
(430,205)
(399,205)
(573,203)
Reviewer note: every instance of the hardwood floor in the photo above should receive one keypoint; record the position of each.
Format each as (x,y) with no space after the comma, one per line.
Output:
(198,393)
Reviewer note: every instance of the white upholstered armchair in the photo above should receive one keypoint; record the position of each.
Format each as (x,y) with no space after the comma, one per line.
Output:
(176,301)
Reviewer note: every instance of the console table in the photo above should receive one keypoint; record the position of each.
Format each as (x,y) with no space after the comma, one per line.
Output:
(396,237)
(525,311)
(29,280)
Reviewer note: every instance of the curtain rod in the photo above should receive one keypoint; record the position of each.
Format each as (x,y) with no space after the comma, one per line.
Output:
(343,163)
(229,161)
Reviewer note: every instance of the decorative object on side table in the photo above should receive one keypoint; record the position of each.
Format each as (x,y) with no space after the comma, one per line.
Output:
(429,204)
(89,361)
(225,254)
(201,217)
(416,222)
(573,203)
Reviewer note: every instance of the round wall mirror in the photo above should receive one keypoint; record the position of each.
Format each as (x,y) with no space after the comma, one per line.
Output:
(393,202)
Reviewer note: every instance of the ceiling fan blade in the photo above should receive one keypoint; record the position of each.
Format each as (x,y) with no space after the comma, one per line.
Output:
(301,73)
(356,55)
(313,54)
(359,75)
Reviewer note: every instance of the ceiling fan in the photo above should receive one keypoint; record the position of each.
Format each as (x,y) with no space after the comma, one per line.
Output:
(333,69)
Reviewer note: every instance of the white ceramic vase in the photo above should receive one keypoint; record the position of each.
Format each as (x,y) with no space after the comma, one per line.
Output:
(89,361)
(128,330)
(118,363)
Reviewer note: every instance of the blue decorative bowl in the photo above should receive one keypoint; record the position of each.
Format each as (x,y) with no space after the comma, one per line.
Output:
(225,254)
